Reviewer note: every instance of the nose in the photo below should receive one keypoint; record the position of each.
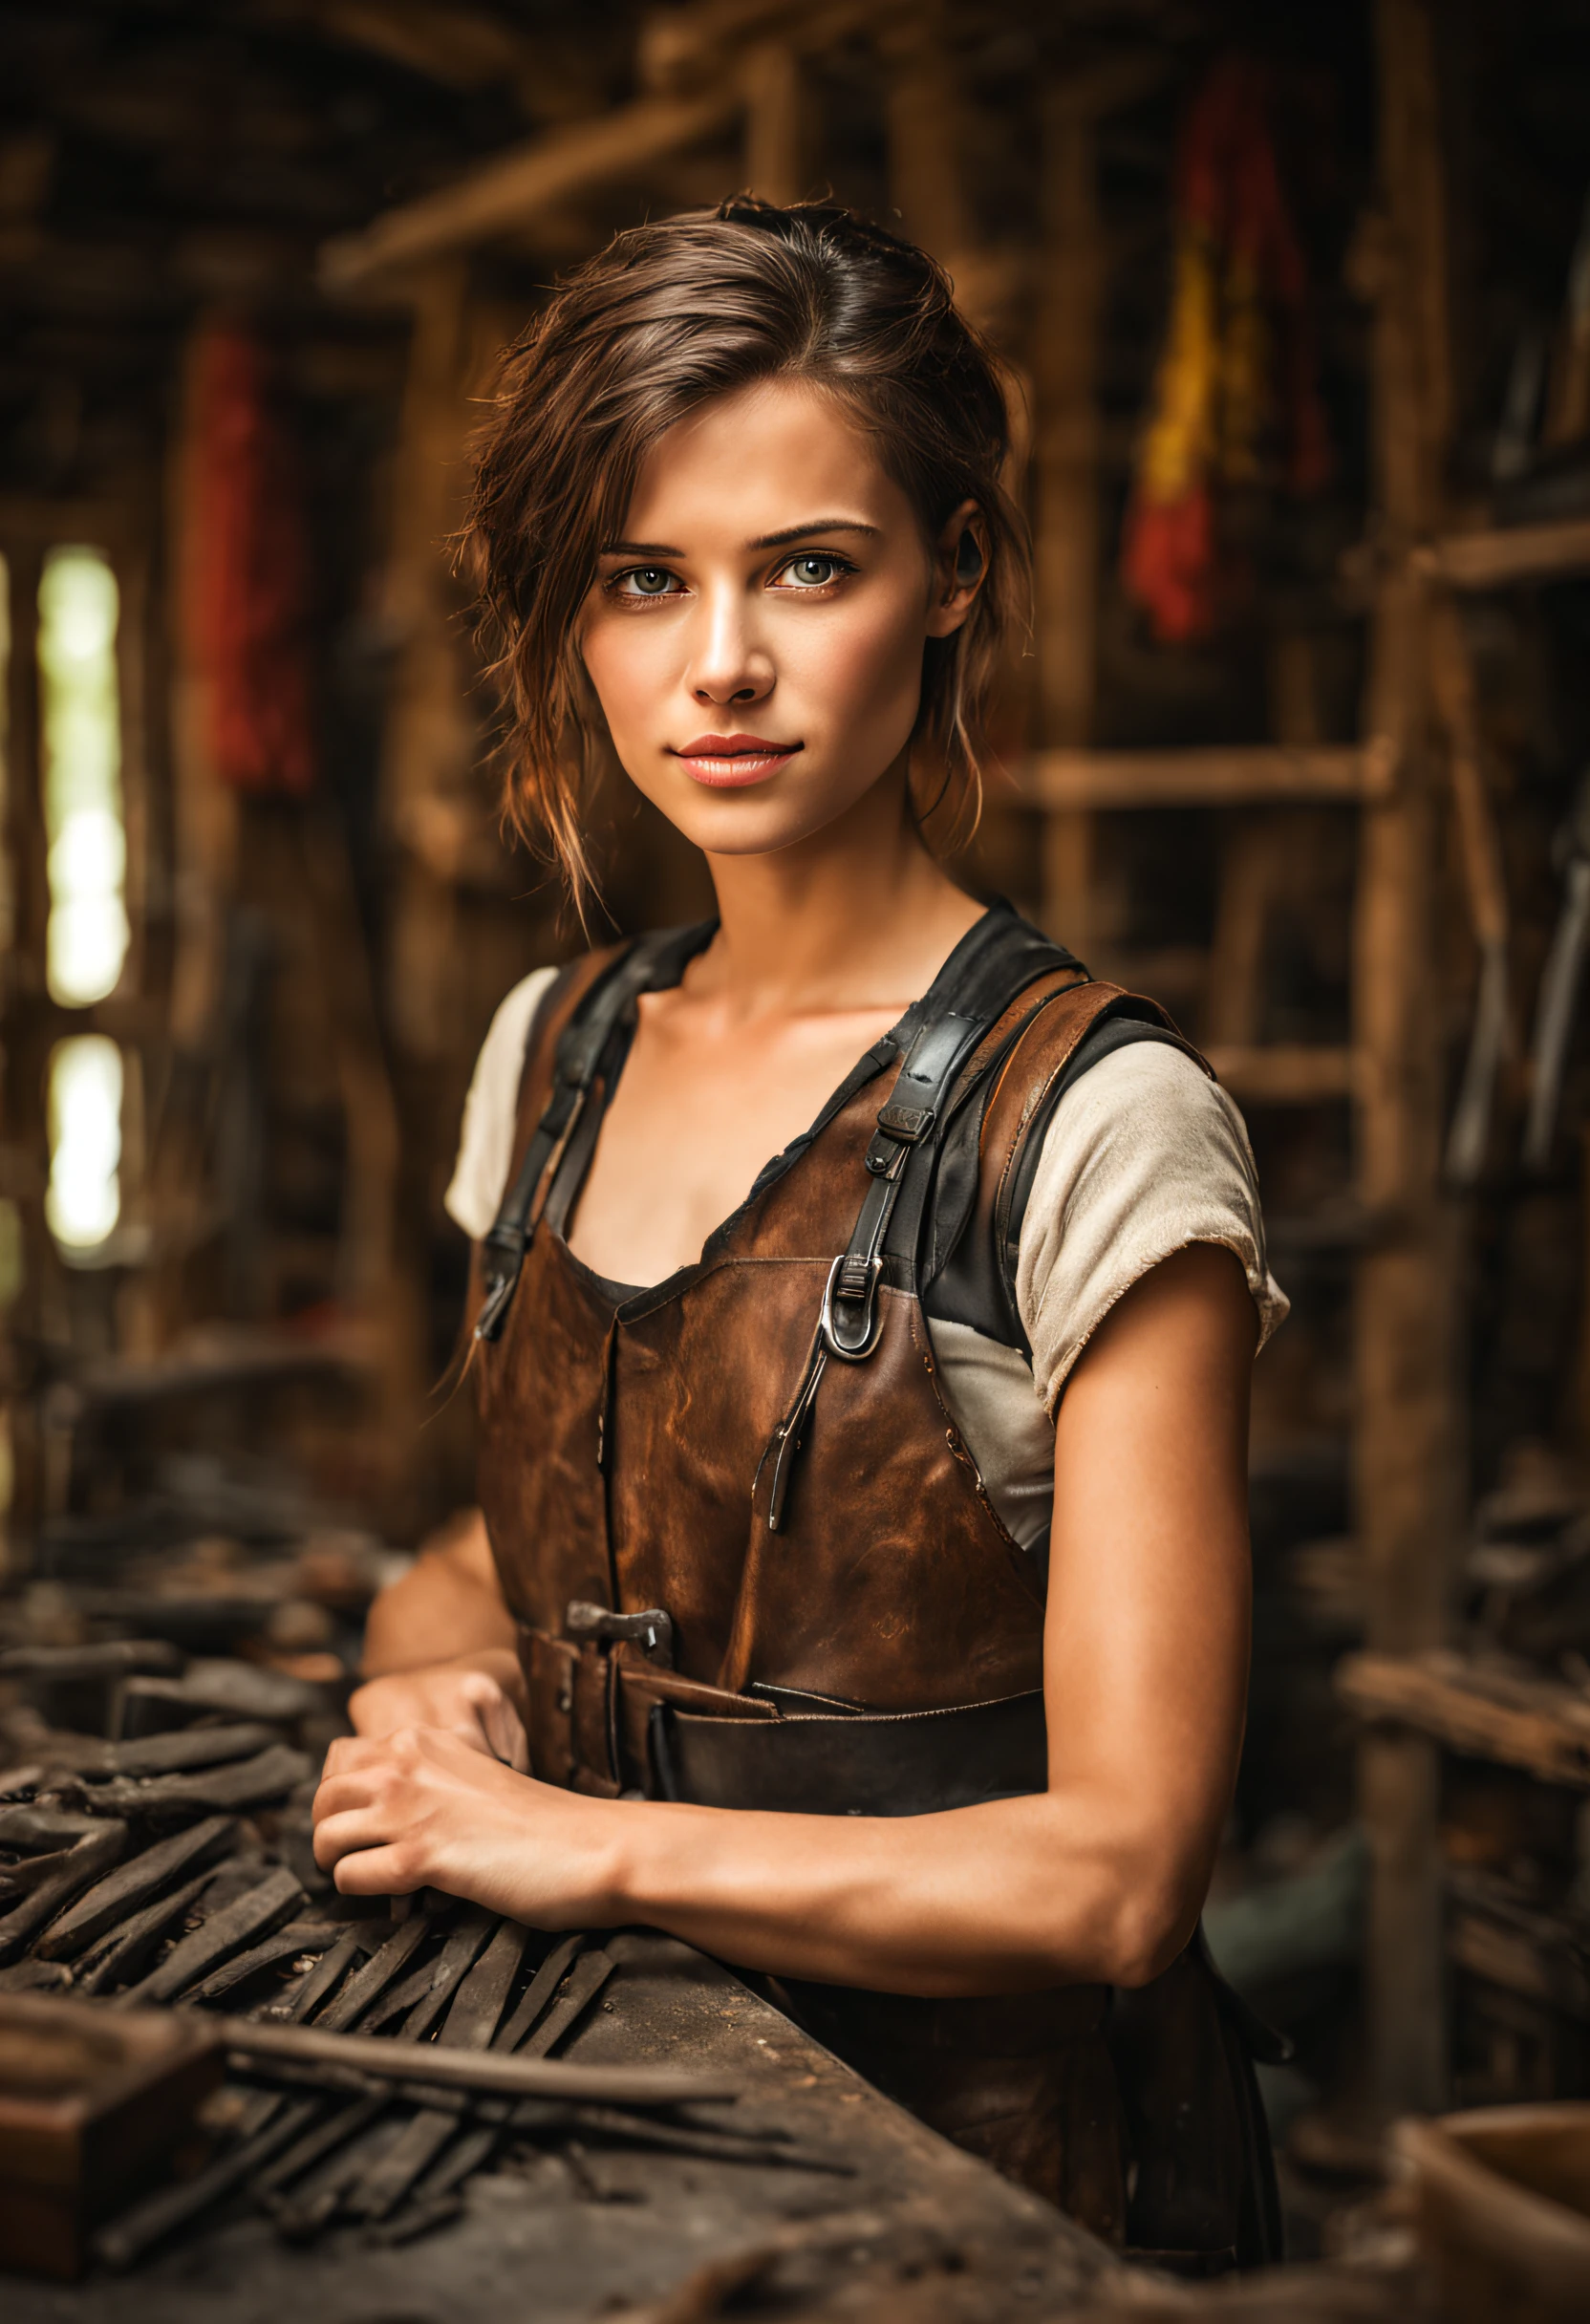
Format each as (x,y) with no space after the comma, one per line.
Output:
(731,664)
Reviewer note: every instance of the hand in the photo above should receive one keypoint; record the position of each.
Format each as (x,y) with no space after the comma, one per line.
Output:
(472,1698)
(422,1808)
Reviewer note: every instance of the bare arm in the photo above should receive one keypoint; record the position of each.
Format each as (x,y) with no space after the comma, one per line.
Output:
(439,1649)
(446,1604)
(1101,1877)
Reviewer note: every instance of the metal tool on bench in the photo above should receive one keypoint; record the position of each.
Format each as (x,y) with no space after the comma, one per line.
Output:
(373,2063)
(1559,984)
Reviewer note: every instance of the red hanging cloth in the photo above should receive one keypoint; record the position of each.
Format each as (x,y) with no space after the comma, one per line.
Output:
(1235,400)
(247,593)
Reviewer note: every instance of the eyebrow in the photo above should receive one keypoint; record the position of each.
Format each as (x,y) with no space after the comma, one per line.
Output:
(801,532)
(768,540)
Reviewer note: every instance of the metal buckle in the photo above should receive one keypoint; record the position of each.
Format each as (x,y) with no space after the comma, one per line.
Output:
(836,1347)
(652,1630)
(498,1289)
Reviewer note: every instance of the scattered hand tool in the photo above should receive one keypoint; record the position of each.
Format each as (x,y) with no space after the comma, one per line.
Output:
(489,2072)
(286,1944)
(345,2101)
(94,1852)
(367,1984)
(243,1783)
(131,1885)
(120,1955)
(322,1979)
(250,1915)
(471,2020)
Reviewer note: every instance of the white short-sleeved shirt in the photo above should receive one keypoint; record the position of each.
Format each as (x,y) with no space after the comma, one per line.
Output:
(1144,1155)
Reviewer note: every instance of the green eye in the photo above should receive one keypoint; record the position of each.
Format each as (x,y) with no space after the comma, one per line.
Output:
(812,572)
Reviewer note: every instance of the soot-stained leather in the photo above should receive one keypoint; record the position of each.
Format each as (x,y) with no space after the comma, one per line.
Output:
(889,1763)
(622,1456)
(624,1463)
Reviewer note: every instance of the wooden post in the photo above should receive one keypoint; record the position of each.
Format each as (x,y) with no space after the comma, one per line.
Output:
(777,122)
(430,735)
(26,1148)
(205,810)
(1067,545)
(1405,1438)
(926,171)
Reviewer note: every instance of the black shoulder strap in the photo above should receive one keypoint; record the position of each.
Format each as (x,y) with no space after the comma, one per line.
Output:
(976,1282)
(653,960)
(994,963)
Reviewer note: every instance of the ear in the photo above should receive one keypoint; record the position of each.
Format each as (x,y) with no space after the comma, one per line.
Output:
(959,566)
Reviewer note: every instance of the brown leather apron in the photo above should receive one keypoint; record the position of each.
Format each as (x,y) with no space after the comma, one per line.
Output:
(754,1565)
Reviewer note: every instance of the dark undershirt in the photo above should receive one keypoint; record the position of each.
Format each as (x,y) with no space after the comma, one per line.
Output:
(617,1293)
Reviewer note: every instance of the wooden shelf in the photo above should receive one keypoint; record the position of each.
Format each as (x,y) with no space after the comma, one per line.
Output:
(1539,1725)
(1510,557)
(1284,1073)
(1245,775)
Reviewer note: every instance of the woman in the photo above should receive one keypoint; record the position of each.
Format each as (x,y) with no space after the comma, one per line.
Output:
(862,1589)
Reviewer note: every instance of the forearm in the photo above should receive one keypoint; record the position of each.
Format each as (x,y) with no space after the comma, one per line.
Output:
(1017,1895)
(447,1606)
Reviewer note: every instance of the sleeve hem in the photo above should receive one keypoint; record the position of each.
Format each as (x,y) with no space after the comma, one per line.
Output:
(1272,1302)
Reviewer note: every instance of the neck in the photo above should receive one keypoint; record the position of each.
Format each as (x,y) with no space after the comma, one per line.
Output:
(856,917)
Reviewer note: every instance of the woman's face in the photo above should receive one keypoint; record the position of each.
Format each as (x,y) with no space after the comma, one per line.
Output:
(756,637)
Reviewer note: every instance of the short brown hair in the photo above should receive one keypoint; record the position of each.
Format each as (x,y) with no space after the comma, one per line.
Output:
(668,317)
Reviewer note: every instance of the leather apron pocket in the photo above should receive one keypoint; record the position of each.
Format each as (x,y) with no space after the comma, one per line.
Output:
(590,1705)
(570,1722)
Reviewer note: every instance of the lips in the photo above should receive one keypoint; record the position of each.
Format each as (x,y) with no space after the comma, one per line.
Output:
(733,762)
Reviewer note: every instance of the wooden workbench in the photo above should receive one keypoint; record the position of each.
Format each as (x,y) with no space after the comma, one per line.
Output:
(621,2233)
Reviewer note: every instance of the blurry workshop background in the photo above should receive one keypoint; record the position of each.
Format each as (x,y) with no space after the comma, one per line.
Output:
(1300,303)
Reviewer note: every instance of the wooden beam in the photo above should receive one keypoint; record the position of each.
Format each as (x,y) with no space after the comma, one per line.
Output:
(923,98)
(1284,1073)
(777,122)
(1067,548)
(1263,774)
(463,48)
(681,47)
(25,1323)
(1539,1725)
(1253,862)
(1506,559)
(1405,1324)
(505,196)
(1399,1804)
(431,740)
(1405,1464)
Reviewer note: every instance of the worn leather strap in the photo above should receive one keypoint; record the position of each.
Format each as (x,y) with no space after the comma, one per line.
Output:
(653,960)
(942,1036)
(905,1121)
(591,1705)
(907,1763)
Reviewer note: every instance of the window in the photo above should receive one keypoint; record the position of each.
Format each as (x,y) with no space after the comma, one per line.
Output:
(83,1200)
(86,935)
(81,721)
